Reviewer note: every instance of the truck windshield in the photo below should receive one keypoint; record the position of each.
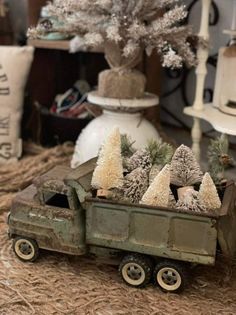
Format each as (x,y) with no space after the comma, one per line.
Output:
(56,199)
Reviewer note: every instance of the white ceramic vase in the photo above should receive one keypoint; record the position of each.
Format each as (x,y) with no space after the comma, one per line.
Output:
(134,125)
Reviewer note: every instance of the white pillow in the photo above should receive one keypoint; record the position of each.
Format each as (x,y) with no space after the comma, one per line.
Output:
(15,63)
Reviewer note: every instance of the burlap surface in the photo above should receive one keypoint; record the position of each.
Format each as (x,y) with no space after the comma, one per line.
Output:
(61,284)
(37,160)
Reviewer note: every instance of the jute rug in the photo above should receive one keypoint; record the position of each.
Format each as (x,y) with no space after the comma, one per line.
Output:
(62,284)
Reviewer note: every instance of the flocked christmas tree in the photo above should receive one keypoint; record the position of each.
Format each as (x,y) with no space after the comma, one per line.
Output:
(158,193)
(185,170)
(190,202)
(135,185)
(125,28)
(155,170)
(108,173)
(208,195)
(141,158)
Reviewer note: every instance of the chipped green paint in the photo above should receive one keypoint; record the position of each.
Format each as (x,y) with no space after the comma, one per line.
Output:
(81,223)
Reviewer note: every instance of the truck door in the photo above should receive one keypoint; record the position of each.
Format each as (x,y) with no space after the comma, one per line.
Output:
(66,220)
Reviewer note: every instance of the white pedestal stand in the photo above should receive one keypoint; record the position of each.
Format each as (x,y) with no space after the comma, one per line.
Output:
(201,72)
(220,121)
(122,113)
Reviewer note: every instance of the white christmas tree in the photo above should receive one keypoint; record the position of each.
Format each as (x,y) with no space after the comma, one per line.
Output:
(155,170)
(124,28)
(185,170)
(108,173)
(208,195)
(158,192)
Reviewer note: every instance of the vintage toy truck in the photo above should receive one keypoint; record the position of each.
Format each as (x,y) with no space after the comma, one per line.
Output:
(59,213)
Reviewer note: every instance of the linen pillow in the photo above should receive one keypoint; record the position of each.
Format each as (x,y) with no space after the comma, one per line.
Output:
(15,63)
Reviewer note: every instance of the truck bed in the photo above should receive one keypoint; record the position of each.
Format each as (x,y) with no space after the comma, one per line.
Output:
(162,232)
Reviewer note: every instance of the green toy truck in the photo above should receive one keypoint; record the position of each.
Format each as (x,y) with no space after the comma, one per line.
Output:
(59,213)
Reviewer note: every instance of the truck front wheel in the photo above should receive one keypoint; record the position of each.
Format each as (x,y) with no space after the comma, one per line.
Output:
(25,249)
(170,276)
(136,270)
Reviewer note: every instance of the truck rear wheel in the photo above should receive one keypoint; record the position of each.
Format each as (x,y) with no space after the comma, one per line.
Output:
(170,276)
(136,270)
(25,249)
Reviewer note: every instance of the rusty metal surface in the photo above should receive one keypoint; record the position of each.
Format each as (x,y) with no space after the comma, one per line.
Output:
(82,175)
(155,232)
(227,222)
(181,235)
(57,173)
(54,228)
(184,211)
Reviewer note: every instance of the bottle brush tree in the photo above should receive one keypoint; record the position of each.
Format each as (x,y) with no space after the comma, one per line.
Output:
(135,185)
(141,158)
(155,170)
(158,193)
(185,170)
(190,202)
(108,173)
(125,28)
(208,195)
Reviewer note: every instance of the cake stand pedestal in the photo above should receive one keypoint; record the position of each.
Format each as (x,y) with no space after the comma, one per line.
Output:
(126,114)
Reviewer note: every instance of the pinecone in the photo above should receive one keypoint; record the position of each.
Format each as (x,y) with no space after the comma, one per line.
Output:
(141,158)
(135,185)
(225,160)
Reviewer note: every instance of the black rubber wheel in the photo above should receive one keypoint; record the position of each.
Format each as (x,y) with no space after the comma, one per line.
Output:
(170,276)
(25,248)
(136,270)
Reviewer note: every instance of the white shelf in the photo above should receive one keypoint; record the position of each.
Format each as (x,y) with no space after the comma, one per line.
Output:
(220,121)
(58,45)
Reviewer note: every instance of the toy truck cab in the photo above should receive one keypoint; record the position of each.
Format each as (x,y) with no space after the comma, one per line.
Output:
(47,215)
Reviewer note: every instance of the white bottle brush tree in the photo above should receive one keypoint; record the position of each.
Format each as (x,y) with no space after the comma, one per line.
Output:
(158,193)
(208,195)
(185,170)
(108,173)
(125,28)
